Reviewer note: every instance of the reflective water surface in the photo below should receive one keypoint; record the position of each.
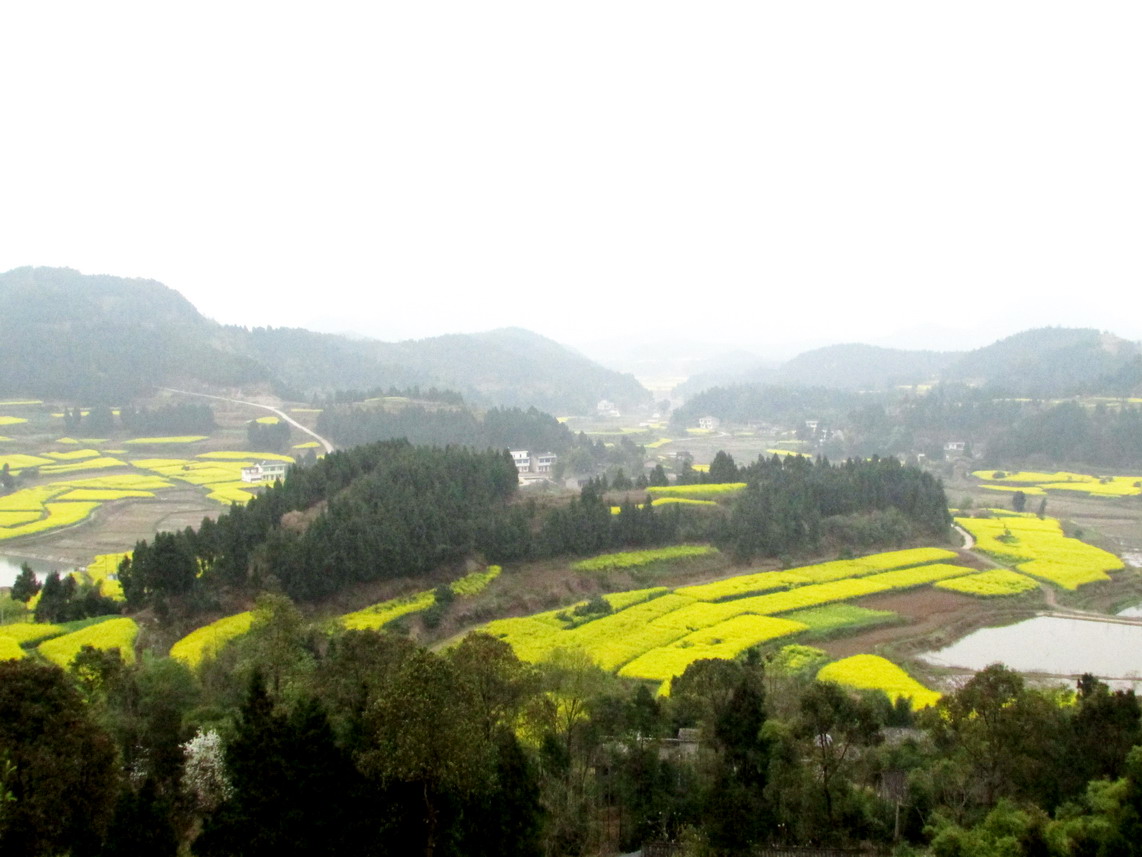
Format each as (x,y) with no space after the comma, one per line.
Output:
(1056,646)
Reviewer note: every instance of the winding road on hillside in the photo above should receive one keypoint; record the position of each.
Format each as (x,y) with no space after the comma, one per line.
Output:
(1049,596)
(279,413)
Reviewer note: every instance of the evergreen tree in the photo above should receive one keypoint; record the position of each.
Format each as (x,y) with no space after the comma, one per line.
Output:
(722,468)
(53,600)
(26,585)
(65,768)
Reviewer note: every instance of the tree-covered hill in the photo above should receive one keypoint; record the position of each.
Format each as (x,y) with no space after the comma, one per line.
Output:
(391,509)
(104,339)
(1047,362)
(107,339)
(1051,361)
(509,366)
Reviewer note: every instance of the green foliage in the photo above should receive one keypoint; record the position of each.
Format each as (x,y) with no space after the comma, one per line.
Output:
(64,786)
(26,584)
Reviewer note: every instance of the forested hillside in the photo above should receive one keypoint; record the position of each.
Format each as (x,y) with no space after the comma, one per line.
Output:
(106,340)
(390,509)
(300,739)
(103,339)
(1051,361)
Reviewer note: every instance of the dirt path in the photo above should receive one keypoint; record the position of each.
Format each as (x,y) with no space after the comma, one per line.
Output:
(969,539)
(328,446)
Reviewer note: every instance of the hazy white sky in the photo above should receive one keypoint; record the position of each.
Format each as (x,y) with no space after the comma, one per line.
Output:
(767,172)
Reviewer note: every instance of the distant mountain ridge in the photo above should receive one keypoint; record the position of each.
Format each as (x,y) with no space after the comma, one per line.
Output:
(68,335)
(1044,362)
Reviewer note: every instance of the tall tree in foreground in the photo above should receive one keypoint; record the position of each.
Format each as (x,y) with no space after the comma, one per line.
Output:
(64,777)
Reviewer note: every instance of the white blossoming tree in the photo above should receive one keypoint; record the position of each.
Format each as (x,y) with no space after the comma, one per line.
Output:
(204,775)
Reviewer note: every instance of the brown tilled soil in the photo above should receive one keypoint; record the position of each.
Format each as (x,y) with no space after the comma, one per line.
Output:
(933,617)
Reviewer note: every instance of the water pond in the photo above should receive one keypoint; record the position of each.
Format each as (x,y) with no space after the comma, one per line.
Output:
(10,567)
(1055,646)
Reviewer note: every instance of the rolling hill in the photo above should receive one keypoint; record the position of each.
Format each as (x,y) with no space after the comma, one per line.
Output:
(94,339)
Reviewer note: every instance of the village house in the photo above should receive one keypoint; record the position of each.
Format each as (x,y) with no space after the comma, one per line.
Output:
(532,465)
(265,471)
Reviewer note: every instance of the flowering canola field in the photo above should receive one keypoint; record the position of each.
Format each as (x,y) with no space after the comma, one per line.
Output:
(71,497)
(208,640)
(654,634)
(116,633)
(1037,547)
(872,672)
(1034,482)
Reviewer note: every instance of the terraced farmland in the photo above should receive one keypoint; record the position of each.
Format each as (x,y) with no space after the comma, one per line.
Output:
(654,634)
(67,495)
(1034,482)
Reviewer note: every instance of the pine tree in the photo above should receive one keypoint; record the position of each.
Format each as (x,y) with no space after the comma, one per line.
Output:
(25,586)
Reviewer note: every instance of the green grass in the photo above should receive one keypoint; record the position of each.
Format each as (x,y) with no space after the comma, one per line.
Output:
(827,620)
(144,441)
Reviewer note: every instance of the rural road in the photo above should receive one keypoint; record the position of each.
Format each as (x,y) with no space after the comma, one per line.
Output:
(1054,609)
(328,446)
(969,541)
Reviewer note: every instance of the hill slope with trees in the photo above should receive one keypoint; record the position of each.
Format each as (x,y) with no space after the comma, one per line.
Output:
(1049,361)
(103,339)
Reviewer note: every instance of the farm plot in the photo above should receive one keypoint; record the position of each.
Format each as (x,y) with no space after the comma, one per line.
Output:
(662,631)
(115,633)
(10,650)
(712,491)
(748,584)
(1037,547)
(31,511)
(379,615)
(723,640)
(220,472)
(871,672)
(638,559)
(207,641)
(1034,482)
(990,584)
(104,570)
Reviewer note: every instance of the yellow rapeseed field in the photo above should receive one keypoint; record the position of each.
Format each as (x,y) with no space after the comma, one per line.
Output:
(118,633)
(9,649)
(635,559)
(379,615)
(207,641)
(872,672)
(989,584)
(104,570)
(30,633)
(58,515)
(74,455)
(724,640)
(697,492)
(1037,546)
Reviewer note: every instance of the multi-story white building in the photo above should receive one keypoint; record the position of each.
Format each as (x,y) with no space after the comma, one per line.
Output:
(265,471)
(529,463)
(522,460)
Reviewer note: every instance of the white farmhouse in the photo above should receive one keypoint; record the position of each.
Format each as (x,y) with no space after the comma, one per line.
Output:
(265,471)
(528,463)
